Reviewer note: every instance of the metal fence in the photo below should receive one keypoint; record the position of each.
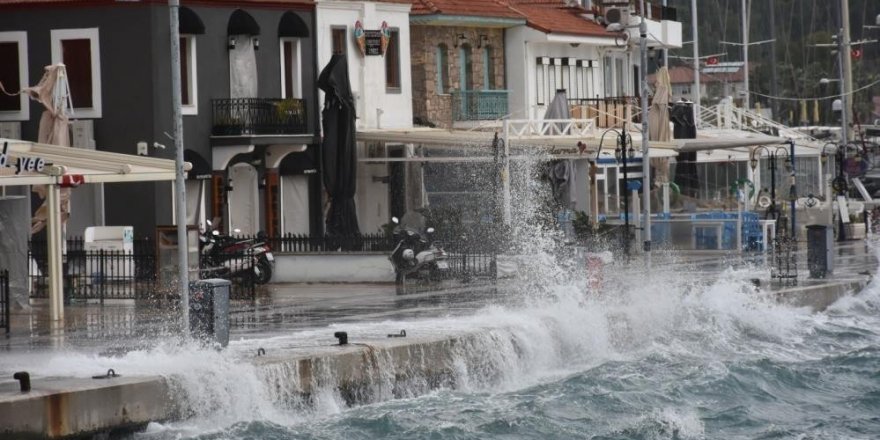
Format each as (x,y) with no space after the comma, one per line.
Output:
(468,265)
(783,265)
(249,116)
(237,267)
(479,105)
(293,243)
(4,300)
(100,274)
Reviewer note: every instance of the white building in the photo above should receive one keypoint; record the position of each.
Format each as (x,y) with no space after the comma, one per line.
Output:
(381,84)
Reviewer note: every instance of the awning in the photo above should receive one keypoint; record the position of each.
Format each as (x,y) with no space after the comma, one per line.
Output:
(201,169)
(189,22)
(292,25)
(241,23)
(721,143)
(477,143)
(66,165)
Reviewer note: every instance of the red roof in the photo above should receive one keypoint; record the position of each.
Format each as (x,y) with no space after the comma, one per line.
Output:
(552,16)
(183,2)
(474,8)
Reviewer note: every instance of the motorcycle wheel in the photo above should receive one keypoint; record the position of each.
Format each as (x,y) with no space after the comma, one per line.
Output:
(265,273)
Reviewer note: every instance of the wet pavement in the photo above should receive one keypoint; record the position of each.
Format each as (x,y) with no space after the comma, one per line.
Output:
(283,308)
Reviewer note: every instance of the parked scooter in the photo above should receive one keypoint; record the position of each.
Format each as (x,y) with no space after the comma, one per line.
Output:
(417,255)
(227,257)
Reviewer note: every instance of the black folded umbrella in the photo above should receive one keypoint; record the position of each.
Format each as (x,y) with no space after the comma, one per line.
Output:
(338,147)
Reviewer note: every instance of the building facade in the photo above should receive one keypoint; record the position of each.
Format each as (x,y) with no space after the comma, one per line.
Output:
(249,102)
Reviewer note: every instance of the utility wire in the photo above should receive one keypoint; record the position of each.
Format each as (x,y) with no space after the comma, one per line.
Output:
(821,98)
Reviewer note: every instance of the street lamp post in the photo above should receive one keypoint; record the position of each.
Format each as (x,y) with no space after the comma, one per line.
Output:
(621,154)
(772,155)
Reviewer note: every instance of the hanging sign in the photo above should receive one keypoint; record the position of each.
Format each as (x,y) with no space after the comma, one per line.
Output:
(372,42)
(21,164)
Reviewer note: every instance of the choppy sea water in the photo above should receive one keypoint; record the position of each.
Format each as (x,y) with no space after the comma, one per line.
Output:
(664,355)
(664,359)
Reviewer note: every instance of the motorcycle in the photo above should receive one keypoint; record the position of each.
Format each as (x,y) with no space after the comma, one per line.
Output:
(417,255)
(227,257)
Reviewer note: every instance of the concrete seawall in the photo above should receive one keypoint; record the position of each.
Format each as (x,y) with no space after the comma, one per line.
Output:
(362,372)
(365,371)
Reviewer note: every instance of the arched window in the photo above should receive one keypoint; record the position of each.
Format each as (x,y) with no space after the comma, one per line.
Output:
(442,69)
(488,69)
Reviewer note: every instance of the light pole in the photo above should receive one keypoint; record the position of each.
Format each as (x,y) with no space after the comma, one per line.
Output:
(179,184)
(621,154)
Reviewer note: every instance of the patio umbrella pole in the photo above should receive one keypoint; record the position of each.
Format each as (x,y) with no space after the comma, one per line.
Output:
(56,301)
(646,159)
(179,183)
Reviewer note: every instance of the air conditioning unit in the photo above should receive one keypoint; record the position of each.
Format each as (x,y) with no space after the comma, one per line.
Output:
(617,17)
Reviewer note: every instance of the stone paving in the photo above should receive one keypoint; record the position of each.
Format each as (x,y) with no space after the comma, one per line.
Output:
(283,308)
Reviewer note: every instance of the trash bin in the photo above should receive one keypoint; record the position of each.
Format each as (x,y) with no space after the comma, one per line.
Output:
(820,242)
(209,310)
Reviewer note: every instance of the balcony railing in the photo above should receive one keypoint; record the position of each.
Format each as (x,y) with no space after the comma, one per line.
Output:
(251,116)
(609,112)
(479,105)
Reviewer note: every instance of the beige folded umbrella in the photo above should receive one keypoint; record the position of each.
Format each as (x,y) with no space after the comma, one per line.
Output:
(53,92)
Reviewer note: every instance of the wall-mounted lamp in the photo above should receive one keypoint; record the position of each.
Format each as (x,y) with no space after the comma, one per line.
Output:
(460,39)
(484,39)
(231,44)
(256,43)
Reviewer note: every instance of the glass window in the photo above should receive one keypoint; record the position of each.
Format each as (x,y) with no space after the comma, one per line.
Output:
(188,76)
(609,76)
(488,69)
(13,76)
(290,68)
(339,41)
(79,50)
(392,62)
(442,69)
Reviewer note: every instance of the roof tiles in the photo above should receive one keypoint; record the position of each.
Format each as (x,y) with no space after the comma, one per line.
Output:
(475,8)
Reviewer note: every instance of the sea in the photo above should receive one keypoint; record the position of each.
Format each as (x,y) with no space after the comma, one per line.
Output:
(657,355)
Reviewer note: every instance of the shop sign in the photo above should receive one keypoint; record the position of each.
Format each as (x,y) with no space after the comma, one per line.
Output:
(372,42)
(21,164)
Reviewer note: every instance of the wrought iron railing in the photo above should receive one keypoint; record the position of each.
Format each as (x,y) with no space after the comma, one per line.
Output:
(4,300)
(479,105)
(301,243)
(99,274)
(253,116)
(783,267)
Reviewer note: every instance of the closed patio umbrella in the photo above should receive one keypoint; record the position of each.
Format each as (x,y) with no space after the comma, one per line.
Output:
(338,147)
(53,92)
(658,121)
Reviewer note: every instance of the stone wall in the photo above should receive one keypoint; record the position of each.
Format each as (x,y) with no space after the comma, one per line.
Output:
(436,109)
